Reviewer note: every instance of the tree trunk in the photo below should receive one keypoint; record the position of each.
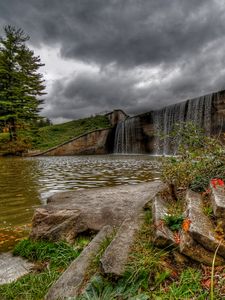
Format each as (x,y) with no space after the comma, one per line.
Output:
(12,131)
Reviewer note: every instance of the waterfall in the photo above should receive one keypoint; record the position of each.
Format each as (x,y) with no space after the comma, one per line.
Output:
(128,136)
(196,110)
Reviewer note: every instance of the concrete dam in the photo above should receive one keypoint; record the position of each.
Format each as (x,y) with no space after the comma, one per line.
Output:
(141,134)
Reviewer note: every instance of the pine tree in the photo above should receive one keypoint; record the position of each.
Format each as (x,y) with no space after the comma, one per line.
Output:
(21,86)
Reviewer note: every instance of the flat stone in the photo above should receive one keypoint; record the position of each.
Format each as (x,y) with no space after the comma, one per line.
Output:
(195,251)
(114,259)
(70,282)
(163,235)
(12,267)
(201,227)
(70,213)
(218,201)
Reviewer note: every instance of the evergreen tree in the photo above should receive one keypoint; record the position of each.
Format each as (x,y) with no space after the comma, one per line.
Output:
(21,86)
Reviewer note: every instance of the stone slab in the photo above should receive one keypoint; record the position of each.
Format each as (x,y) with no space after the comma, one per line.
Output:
(163,235)
(218,201)
(69,213)
(71,280)
(12,267)
(114,259)
(201,227)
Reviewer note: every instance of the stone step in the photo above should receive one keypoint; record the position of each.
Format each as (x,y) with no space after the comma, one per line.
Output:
(115,257)
(218,201)
(163,235)
(201,227)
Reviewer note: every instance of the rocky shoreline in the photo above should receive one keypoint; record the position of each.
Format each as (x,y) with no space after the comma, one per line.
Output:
(116,214)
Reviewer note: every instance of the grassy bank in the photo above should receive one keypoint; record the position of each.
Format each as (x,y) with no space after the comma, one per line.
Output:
(51,136)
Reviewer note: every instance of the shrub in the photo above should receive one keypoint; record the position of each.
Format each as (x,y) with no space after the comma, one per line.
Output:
(199,158)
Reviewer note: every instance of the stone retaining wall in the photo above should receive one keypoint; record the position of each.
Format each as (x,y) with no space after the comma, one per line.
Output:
(94,142)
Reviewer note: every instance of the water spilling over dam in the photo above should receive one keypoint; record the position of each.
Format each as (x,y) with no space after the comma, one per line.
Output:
(149,132)
(128,138)
(198,111)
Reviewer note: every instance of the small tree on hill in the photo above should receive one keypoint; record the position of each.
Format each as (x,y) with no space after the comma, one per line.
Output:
(21,86)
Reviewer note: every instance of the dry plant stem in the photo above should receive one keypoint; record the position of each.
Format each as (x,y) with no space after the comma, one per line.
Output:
(212,273)
(173,191)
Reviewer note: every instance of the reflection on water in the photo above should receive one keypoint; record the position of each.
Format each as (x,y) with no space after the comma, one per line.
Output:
(25,183)
(19,192)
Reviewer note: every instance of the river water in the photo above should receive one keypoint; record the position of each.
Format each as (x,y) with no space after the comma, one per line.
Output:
(25,183)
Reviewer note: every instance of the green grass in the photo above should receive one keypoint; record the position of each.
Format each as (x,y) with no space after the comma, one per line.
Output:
(188,286)
(51,136)
(51,260)
(174,222)
(58,254)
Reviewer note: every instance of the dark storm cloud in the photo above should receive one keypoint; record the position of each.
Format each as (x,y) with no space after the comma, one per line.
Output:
(111,88)
(128,32)
(86,94)
(183,39)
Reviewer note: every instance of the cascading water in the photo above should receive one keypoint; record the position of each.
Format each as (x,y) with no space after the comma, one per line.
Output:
(128,136)
(196,110)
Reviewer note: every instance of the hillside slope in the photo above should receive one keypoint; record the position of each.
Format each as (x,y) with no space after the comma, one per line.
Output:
(51,136)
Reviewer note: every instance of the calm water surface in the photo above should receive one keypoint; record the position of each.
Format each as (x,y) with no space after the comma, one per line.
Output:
(25,183)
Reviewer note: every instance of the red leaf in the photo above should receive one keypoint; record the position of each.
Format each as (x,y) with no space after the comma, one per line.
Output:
(206,283)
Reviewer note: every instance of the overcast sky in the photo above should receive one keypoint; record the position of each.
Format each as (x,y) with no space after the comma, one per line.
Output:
(136,55)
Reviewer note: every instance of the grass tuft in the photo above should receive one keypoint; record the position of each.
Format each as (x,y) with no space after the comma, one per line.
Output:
(51,259)
(58,254)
